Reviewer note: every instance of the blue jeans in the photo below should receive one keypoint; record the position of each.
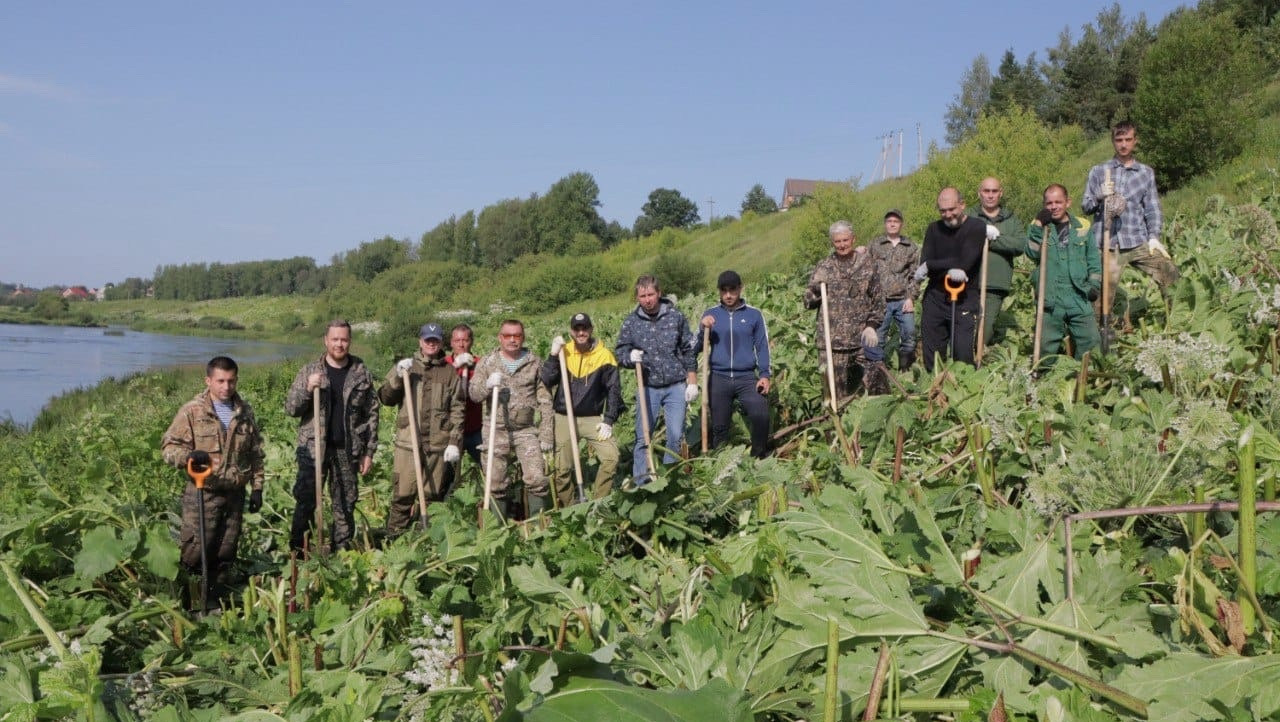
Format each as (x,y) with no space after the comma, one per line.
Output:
(906,321)
(670,399)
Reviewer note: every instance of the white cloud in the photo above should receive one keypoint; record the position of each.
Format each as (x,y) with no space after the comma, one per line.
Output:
(25,86)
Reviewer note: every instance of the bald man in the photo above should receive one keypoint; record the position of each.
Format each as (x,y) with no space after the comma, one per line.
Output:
(952,249)
(1010,242)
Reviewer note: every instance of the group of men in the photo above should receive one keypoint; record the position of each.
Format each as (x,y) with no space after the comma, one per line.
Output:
(966,263)
(444,397)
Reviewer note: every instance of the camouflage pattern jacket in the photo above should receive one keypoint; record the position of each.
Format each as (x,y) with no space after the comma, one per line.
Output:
(897,263)
(236,452)
(436,400)
(529,398)
(358,396)
(853,294)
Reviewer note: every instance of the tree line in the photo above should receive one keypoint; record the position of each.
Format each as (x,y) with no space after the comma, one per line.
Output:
(564,221)
(1192,84)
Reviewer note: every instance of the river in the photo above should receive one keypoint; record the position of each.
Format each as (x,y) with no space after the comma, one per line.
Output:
(38,363)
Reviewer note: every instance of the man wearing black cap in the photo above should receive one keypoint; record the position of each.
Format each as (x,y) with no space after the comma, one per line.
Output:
(349,420)
(896,258)
(597,402)
(739,364)
(433,388)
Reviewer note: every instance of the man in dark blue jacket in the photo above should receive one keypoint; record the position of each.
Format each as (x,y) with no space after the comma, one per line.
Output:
(739,365)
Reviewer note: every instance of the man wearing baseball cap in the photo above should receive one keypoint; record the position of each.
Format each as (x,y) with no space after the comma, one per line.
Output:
(896,259)
(596,392)
(433,388)
(739,364)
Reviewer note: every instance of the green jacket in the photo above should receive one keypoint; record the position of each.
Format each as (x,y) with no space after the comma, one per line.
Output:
(1075,265)
(437,402)
(1003,250)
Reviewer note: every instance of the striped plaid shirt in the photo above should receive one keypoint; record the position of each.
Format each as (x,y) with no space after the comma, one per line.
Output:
(1142,218)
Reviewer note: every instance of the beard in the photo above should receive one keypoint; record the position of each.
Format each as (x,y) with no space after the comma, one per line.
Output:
(952,222)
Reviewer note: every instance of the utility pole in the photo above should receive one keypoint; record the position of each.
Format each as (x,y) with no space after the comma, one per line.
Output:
(711,203)
(899,152)
(919,148)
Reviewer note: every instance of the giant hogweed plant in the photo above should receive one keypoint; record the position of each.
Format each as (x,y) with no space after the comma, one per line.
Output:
(729,588)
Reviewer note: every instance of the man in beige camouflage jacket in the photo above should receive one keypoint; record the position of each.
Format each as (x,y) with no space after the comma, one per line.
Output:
(856,306)
(525,420)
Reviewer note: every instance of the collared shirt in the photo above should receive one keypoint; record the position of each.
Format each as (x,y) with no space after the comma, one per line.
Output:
(1142,218)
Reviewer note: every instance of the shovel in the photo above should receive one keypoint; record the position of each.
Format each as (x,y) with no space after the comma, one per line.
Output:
(198,475)
(417,445)
(954,292)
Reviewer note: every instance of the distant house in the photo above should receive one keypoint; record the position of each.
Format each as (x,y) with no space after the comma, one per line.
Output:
(22,292)
(795,190)
(77,293)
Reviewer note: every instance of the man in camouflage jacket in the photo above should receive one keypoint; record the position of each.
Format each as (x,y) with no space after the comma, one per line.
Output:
(439,410)
(217,423)
(525,422)
(349,417)
(856,305)
(896,257)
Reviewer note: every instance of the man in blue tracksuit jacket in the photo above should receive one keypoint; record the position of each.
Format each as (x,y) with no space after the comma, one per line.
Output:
(739,364)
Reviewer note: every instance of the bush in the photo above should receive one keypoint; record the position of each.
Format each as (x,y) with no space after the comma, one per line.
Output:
(561,281)
(680,274)
(1197,95)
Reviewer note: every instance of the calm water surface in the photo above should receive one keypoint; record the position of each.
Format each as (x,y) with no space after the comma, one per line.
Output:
(40,362)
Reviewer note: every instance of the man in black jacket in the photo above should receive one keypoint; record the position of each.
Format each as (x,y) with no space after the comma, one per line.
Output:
(950,256)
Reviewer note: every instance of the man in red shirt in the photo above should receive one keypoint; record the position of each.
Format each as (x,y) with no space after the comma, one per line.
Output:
(460,339)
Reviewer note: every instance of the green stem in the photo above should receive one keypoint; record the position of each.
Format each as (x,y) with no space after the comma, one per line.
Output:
(1069,632)
(1128,523)
(1248,516)
(30,604)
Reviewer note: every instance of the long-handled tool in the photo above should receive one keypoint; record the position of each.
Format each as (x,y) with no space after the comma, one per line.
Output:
(982,306)
(644,416)
(492,441)
(831,365)
(198,474)
(318,538)
(954,292)
(1105,306)
(573,425)
(417,445)
(706,386)
(1044,269)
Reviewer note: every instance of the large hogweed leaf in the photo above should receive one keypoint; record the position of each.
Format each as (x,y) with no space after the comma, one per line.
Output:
(1185,687)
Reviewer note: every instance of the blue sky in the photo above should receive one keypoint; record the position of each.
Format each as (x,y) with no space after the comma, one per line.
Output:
(135,134)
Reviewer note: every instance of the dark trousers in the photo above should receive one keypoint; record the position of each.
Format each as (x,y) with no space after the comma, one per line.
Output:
(222,514)
(341,472)
(936,331)
(722,392)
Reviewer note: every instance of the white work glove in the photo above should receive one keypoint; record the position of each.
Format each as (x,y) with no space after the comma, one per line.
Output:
(922,272)
(1108,188)
(463,359)
(869,338)
(690,393)
(1156,247)
(404,365)
(494,380)
(557,343)
(958,275)
(451,454)
(637,356)
(992,232)
(547,446)
(604,432)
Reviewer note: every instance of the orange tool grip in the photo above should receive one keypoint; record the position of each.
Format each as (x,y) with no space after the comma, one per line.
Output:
(953,291)
(198,475)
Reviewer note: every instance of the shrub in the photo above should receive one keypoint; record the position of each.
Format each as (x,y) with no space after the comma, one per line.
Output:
(830,202)
(560,281)
(680,274)
(1196,97)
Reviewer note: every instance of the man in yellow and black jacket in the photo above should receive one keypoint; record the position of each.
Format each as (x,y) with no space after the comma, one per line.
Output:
(597,403)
